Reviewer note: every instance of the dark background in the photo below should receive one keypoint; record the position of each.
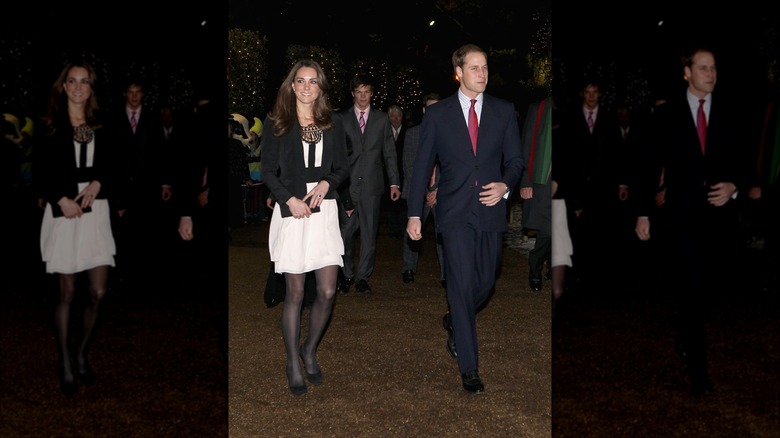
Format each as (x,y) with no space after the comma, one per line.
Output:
(178,50)
(637,51)
(398,33)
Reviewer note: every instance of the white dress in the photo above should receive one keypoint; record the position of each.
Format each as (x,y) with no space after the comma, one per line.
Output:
(562,249)
(302,245)
(77,244)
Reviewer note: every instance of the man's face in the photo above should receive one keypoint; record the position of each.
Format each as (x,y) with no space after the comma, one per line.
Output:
(590,96)
(395,119)
(134,96)
(362,96)
(624,117)
(473,74)
(702,74)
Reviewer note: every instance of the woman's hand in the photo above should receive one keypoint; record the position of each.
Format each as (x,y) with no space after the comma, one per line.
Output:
(317,194)
(69,207)
(86,197)
(298,208)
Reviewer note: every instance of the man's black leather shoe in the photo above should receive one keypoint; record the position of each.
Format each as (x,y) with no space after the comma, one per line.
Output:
(344,284)
(535,283)
(446,321)
(362,286)
(408,276)
(472,382)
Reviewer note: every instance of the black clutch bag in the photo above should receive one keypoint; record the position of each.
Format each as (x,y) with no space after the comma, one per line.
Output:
(56,211)
(285,210)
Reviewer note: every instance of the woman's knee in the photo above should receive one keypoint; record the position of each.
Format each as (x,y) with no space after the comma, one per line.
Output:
(326,292)
(97,292)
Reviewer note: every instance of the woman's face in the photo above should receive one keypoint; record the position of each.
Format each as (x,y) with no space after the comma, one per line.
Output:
(306,85)
(78,85)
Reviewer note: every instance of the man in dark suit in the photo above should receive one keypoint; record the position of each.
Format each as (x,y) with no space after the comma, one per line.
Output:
(396,210)
(371,150)
(201,197)
(144,179)
(477,141)
(412,248)
(701,173)
(588,137)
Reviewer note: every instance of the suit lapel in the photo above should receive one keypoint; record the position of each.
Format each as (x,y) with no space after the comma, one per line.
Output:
(457,114)
(690,127)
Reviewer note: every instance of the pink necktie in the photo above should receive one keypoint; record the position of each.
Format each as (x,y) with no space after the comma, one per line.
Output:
(432,181)
(590,121)
(133,121)
(473,126)
(701,125)
(362,122)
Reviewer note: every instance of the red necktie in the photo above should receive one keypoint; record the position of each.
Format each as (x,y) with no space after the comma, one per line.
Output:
(473,126)
(362,122)
(701,125)
(133,121)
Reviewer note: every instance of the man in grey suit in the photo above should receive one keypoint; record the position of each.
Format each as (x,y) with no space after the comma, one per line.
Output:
(371,150)
(476,138)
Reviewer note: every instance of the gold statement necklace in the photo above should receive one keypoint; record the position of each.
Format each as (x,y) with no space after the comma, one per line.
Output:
(83,133)
(311,134)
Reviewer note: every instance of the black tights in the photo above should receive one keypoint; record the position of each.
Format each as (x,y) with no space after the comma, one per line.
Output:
(97,289)
(319,315)
(558,284)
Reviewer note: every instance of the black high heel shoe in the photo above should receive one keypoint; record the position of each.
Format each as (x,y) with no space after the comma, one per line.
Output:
(314,378)
(68,386)
(84,372)
(295,389)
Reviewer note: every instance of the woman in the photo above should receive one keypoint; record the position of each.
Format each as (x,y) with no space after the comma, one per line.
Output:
(562,248)
(76,162)
(304,162)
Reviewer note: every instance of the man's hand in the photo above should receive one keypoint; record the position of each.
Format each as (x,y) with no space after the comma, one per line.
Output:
(430,198)
(660,198)
(203,198)
(395,193)
(414,228)
(185,228)
(721,193)
(642,228)
(526,192)
(166,193)
(622,193)
(493,193)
